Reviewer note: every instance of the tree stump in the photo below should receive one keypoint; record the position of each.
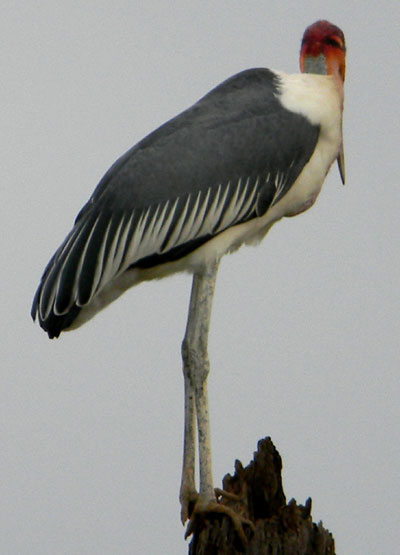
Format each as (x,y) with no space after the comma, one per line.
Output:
(279,528)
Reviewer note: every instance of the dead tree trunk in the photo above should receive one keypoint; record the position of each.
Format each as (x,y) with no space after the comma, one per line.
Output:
(278,528)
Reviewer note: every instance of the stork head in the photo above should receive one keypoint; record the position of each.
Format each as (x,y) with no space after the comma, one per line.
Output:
(323,50)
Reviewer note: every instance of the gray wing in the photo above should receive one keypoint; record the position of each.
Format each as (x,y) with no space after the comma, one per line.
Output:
(222,162)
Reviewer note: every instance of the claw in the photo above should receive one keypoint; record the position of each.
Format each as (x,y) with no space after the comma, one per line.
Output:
(238,521)
(228,495)
(188,502)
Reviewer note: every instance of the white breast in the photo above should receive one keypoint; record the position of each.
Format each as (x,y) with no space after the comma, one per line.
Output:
(318,98)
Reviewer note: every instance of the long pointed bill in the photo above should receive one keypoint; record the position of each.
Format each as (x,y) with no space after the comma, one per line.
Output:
(340,161)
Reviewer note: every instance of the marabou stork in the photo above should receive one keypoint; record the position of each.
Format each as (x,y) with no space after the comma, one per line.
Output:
(253,150)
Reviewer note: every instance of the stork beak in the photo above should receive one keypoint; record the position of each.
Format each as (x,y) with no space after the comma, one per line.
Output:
(340,161)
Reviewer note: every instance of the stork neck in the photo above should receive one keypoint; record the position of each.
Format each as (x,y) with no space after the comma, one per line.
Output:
(315,64)
(321,65)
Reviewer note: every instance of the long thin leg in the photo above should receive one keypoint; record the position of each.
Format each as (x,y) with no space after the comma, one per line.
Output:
(188,494)
(205,285)
(195,370)
(196,367)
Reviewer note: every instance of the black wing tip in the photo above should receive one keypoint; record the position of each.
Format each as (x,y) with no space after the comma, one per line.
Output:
(53,325)
(35,303)
(44,324)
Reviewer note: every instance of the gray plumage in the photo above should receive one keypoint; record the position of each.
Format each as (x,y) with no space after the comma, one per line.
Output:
(222,162)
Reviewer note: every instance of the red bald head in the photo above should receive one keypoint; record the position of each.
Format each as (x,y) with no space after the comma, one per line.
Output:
(323,39)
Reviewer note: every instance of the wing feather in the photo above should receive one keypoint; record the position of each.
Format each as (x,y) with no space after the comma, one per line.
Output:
(134,238)
(230,211)
(247,204)
(59,275)
(112,260)
(188,228)
(178,226)
(94,258)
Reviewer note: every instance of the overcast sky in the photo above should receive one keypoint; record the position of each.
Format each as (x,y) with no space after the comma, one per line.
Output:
(304,341)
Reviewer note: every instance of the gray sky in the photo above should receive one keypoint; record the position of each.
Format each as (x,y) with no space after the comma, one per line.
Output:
(305,328)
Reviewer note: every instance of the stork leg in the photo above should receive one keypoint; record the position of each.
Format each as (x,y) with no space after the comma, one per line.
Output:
(195,370)
(196,367)
(188,493)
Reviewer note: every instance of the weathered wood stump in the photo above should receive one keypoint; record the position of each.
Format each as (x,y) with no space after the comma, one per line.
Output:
(280,528)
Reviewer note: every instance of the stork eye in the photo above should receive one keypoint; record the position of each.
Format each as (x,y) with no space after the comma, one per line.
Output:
(333,42)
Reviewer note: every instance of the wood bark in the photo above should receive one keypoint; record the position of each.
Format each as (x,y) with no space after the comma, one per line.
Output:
(280,528)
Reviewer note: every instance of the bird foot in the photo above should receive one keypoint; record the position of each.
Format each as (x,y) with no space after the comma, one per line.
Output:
(204,507)
(188,499)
